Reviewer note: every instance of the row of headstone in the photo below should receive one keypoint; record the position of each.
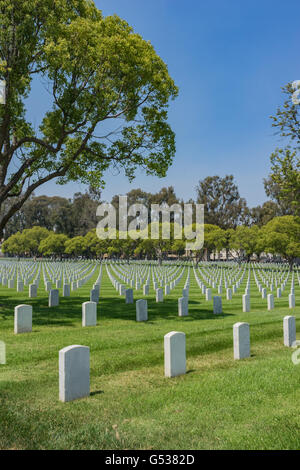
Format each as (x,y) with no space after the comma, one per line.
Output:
(23,316)
(74,361)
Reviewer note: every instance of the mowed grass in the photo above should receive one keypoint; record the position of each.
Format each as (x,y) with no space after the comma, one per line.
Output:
(219,404)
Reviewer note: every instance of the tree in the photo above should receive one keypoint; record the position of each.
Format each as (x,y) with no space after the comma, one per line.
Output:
(165,195)
(109,98)
(210,238)
(59,214)
(94,245)
(214,239)
(286,174)
(178,247)
(145,248)
(246,239)
(285,162)
(83,214)
(33,238)
(54,244)
(261,215)
(273,191)
(14,244)
(53,213)
(282,236)
(26,242)
(223,205)
(75,246)
(138,196)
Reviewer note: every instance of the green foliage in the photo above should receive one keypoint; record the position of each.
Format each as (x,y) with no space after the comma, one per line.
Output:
(26,242)
(14,244)
(178,247)
(110,94)
(286,173)
(223,205)
(282,236)
(285,163)
(247,239)
(75,246)
(54,244)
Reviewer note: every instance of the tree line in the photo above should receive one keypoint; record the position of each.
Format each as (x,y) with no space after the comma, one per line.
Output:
(223,206)
(280,236)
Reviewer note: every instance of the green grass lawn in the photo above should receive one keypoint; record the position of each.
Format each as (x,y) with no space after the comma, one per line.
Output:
(219,404)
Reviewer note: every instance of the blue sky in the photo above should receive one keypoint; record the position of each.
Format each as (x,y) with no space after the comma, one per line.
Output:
(230,59)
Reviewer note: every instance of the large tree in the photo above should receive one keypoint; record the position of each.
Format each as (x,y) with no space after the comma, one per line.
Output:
(223,205)
(274,192)
(138,196)
(246,239)
(285,162)
(109,93)
(261,215)
(282,236)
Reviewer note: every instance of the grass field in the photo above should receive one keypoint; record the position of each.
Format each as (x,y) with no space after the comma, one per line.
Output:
(219,404)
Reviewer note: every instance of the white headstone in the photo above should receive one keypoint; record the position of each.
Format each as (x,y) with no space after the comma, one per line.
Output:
(53,298)
(48,286)
(66,290)
(175,355)
(183,303)
(32,290)
(159,295)
(217,305)
(289,330)
(229,294)
(292,302)
(241,340)
(208,294)
(146,289)
(122,289)
(2,353)
(185,292)
(270,301)
(246,303)
(278,292)
(23,319)
(129,296)
(141,310)
(89,314)
(20,286)
(74,372)
(94,295)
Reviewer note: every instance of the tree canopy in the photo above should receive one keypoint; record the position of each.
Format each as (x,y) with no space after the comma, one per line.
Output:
(285,162)
(223,205)
(282,236)
(109,94)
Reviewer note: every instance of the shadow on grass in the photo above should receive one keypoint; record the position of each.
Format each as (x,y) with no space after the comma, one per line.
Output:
(69,310)
(96,392)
